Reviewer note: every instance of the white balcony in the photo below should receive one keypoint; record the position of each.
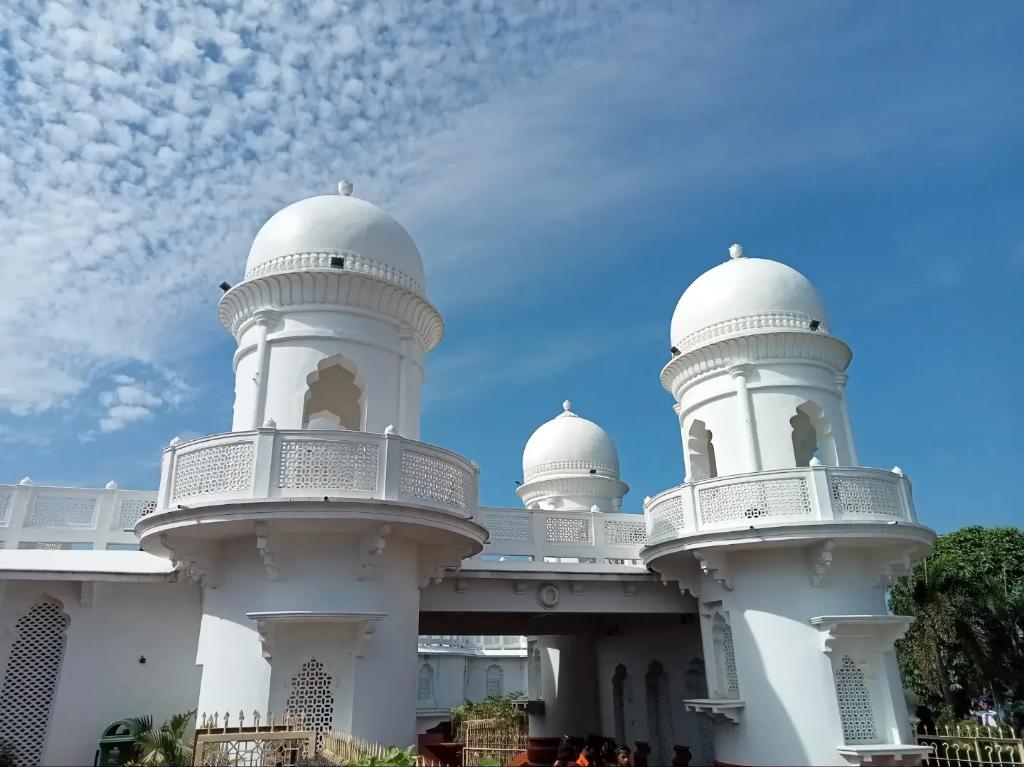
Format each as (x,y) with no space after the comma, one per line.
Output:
(268,464)
(786,497)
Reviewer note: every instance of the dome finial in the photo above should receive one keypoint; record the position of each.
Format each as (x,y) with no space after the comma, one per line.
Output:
(735,250)
(567,406)
(345,187)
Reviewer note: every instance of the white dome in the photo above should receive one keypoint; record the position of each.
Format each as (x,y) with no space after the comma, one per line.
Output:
(307,233)
(568,445)
(743,288)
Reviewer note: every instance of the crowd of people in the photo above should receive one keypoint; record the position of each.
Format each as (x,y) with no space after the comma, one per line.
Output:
(596,752)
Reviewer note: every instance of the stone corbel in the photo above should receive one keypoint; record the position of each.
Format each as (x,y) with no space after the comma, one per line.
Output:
(198,560)
(715,564)
(267,544)
(819,560)
(435,562)
(371,546)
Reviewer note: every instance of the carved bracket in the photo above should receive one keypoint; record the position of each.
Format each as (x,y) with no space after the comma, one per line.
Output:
(371,546)
(267,545)
(819,560)
(875,631)
(715,565)
(198,560)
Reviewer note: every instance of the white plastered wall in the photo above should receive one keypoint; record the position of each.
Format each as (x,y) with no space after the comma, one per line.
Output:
(101,678)
(785,678)
(318,572)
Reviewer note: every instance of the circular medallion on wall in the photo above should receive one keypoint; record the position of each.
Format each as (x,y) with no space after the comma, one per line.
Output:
(548,595)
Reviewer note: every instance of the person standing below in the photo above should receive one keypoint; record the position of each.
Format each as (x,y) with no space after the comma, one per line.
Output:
(564,757)
(622,759)
(589,755)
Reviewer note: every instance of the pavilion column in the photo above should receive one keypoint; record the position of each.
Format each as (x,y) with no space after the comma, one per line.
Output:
(851,446)
(745,411)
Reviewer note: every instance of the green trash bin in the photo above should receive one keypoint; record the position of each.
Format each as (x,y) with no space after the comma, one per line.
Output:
(117,744)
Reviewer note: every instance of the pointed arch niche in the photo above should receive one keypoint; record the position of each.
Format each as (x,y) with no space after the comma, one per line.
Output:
(334,396)
(812,436)
(659,713)
(700,448)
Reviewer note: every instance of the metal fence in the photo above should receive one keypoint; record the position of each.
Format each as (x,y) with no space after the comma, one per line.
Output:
(972,746)
(266,741)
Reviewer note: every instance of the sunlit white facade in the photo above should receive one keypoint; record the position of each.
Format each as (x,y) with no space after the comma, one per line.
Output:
(320,559)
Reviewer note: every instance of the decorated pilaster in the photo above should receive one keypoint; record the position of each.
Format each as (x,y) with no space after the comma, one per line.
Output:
(785,541)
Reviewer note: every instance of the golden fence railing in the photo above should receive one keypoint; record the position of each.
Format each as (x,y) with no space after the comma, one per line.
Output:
(972,746)
(280,741)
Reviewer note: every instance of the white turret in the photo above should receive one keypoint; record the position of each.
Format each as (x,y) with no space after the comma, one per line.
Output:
(331,321)
(784,539)
(571,463)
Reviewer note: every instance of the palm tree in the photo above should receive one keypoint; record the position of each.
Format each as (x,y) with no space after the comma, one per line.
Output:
(164,746)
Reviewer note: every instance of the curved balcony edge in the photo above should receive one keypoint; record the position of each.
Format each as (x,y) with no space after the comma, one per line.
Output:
(304,464)
(806,496)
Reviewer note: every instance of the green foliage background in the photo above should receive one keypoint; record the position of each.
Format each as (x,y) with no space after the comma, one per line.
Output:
(968,636)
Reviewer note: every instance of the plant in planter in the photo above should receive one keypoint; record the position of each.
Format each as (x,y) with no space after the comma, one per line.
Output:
(163,746)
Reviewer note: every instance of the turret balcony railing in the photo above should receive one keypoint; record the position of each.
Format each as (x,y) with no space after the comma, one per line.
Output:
(304,463)
(805,495)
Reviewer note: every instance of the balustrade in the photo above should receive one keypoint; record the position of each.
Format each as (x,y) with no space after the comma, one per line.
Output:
(787,496)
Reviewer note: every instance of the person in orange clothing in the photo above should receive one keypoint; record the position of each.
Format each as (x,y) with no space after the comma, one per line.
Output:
(589,755)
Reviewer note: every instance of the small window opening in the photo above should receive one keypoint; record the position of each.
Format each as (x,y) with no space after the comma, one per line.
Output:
(701,449)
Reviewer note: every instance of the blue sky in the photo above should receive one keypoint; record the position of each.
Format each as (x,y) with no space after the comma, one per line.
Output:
(567,170)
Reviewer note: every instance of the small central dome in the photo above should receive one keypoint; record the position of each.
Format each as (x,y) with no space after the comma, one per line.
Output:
(745,288)
(337,231)
(568,445)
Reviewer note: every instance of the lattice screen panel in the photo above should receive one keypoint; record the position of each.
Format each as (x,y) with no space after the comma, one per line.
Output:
(432,479)
(669,518)
(62,511)
(494,679)
(312,464)
(855,709)
(30,680)
(503,526)
(623,532)
(425,683)
(215,469)
(732,679)
(757,499)
(311,699)
(567,530)
(865,495)
(131,510)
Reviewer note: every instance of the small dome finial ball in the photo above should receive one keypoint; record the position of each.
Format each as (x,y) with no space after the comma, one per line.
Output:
(735,251)
(345,187)
(567,406)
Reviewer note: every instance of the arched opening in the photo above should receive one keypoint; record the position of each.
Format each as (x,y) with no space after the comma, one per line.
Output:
(425,684)
(700,447)
(659,714)
(333,397)
(812,436)
(619,680)
(495,680)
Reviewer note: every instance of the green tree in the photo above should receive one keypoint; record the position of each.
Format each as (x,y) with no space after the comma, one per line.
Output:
(968,601)
(165,745)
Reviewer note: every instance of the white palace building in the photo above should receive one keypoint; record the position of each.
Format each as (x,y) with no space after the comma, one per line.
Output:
(291,563)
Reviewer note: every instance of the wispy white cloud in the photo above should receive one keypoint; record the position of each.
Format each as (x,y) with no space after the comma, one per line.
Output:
(131,400)
(144,144)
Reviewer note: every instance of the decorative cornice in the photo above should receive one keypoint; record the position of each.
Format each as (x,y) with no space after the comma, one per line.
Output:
(321,259)
(583,468)
(584,484)
(330,287)
(752,323)
(756,347)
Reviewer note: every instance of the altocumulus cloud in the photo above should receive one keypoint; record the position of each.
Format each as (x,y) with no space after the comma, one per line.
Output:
(143,142)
